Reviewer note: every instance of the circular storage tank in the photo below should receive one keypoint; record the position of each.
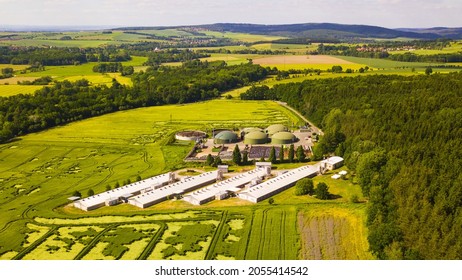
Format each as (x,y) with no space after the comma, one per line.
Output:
(275,128)
(256,137)
(225,137)
(282,138)
(251,129)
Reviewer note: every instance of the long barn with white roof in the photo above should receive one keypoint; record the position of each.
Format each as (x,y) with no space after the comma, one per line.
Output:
(113,196)
(278,184)
(181,187)
(232,184)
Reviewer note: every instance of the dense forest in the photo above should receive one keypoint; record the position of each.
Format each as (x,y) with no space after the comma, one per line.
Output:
(65,102)
(402,137)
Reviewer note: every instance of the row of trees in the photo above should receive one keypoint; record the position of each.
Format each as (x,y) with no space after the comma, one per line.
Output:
(113,67)
(241,158)
(60,56)
(402,137)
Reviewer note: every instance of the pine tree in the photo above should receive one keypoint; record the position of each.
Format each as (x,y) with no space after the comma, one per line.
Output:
(291,153)
(237,158)
(209,160)
(217,161)
(281,154)
(300,154)
(245,158)
(272,155)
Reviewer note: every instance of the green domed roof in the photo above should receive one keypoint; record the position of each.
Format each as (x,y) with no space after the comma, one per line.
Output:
(284,135)
(275,128)
(256,135)
(251,129)
(226,135)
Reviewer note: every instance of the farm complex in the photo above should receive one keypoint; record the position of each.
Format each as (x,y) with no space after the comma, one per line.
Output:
(250,186)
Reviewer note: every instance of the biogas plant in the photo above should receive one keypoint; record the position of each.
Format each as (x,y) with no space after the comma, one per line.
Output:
(254,185)
(255,141)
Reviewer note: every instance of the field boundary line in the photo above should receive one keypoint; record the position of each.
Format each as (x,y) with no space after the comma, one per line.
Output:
(216,236)
(93,242)
(153,242)
(34,245)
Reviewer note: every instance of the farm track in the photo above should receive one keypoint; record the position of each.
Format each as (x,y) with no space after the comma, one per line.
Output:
(282,231)
(218,233)
(93,242)
(261,244)
(152,243)
(244,257)
(145,159)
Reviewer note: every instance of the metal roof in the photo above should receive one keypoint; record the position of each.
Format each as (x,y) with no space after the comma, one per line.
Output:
(100,198)
(333,160)
(280,181)
(230,184)
(175,188)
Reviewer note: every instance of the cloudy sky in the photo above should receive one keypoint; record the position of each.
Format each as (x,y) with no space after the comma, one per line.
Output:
(387,13)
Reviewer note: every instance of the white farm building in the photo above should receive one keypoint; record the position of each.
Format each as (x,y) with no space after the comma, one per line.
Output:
(219,190)
(278,184)
(114,196)
(181,187)
(332,163)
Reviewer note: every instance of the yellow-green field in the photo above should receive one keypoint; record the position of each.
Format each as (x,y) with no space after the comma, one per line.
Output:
(9,90)
(39,171)
(322,62)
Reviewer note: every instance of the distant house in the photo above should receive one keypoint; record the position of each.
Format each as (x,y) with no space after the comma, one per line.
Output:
(332,163)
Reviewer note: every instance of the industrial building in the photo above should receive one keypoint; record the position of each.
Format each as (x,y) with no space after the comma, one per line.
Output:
(222,189)
(278,184)
(225,137)
(185,185)
(283,137)
(117,195)
(255,138)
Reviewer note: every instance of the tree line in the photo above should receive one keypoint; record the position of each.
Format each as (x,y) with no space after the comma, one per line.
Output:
(60,56)
(65,102)
(402,138)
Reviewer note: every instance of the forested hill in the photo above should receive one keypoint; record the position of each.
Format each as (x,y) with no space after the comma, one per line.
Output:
(319,30)
(402,136)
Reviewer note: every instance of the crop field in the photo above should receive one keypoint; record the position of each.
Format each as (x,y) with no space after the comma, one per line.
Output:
(9,90)
(333,233)
(9,87)
(323,62)
(291,48)
(327,231)
(39,171)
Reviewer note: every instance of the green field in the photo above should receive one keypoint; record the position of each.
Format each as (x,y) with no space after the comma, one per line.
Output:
(39,171)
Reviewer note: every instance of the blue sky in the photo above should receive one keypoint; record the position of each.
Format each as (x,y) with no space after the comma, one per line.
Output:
(387,13)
